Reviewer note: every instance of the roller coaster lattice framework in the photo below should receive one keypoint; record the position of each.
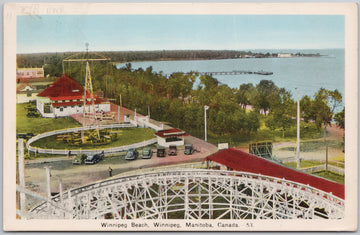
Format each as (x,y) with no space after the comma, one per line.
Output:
(193,194)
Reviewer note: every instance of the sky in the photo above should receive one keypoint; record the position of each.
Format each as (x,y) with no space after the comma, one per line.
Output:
(60,33)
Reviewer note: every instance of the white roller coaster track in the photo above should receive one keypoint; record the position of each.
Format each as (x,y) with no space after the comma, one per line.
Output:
(192,194)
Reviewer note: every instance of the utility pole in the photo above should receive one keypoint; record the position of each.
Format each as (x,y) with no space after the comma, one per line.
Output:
(48,181)
(205,108)
(119,108)
(298,130)
(60,190)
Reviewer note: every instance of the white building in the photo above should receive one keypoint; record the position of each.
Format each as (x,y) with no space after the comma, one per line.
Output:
(284,55)
(168,137)
(29,72)
(65,97)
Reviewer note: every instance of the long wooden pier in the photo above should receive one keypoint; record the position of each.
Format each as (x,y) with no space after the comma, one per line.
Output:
(234,72)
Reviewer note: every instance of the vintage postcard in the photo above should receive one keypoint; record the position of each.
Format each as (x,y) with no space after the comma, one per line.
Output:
(180,117)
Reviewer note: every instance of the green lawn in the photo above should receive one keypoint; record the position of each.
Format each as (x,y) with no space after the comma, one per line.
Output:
(331,176)
(126,137)
(303,164)
(314,145)
(39,125)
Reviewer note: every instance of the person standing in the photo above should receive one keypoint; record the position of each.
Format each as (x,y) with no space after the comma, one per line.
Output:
(110,171)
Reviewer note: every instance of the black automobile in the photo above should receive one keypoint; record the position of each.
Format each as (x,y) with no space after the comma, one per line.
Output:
(160,152)
(131,154)
(94,158)
(79,159)
(189,149)
(172,150)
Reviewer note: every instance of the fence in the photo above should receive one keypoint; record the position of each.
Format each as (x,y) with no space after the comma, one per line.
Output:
(144,122)
(335,169)
(198,165)
(77,151)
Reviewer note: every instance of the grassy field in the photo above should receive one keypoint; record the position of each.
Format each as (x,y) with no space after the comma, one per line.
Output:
(126,137)
(38,125)
(303,164)
(314,145)
(339,158)
(331,176)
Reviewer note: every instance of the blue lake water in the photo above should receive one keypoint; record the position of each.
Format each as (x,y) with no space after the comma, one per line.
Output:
(308,74)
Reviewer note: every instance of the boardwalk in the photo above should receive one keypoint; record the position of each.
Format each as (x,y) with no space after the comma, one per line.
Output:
(234,72)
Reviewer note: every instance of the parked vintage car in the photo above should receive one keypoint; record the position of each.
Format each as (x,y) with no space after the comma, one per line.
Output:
(172,150)
(146,153)
(131,154)
(94,158)
(160,152)
(189,149)
(79,159)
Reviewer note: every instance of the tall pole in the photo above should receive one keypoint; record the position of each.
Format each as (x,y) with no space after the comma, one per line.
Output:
(60,190)
(48,182)
(326,148)
(205,108)
(119,109)
(298,130)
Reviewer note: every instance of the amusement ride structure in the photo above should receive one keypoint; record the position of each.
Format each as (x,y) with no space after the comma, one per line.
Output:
(88,97)
(192,194)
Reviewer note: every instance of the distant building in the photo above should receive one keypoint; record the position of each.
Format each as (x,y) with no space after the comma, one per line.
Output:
(284,55)
(26,92)
(169,137)
(29,73)
(65,97)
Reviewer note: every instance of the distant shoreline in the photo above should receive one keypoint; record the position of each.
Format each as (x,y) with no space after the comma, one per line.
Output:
(119,57)
(190,59)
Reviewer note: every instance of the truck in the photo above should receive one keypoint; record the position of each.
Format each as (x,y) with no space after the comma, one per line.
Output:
(160,152)
(172,150)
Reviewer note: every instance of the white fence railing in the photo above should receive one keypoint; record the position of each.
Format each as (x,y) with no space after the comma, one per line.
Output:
(77,151)
(145,122)
(88,151)
(332,168)
(198,165)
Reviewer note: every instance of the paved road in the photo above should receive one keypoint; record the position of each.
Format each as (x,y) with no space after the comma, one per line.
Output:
(73,176)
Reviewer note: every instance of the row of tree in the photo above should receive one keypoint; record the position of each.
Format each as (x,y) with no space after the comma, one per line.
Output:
(40,59)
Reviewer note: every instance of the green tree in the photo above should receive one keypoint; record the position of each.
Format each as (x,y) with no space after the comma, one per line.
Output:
(180,85)
(282,112)
(340,119)
(245,94)
(267,94)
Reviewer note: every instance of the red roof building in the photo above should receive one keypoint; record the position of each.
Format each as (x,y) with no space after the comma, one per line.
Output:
(169,137)
(65,97)
(242,161)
